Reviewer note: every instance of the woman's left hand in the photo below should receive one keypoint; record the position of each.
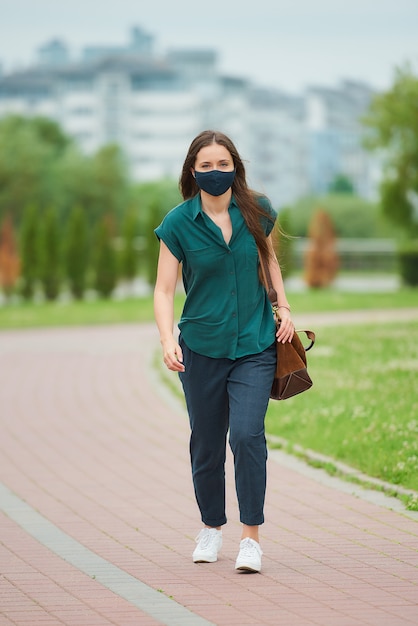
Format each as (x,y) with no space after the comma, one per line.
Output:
(286,329)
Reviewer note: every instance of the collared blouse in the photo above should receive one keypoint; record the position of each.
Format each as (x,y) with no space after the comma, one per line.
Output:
(226,313)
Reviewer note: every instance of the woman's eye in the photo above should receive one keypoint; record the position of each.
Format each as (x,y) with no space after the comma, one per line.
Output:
(209,166)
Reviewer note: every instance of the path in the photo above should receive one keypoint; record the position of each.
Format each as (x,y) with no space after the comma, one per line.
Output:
(99,517)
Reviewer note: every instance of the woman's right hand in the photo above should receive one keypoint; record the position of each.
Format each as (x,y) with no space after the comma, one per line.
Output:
(173,356)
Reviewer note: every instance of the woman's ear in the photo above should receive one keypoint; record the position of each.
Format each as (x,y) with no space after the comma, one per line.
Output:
(192,172)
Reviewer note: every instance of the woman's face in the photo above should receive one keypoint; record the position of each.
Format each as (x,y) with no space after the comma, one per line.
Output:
(214,157)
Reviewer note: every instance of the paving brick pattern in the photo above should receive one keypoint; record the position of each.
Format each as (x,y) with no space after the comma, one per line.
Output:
(89,441)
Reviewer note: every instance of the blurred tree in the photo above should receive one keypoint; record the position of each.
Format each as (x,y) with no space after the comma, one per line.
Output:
(99,183)
(9,257)
(321,258)
(29,251)
(408,262)
(154,201)
(164,193)
(283,242)
(29,151)
(76,252)
(39,164)
(351,216)
(49,254)
(155,215)
(341,184)
(74,173)
(129,254)
(109,184)
(392,122)
(49,132)
(104,257)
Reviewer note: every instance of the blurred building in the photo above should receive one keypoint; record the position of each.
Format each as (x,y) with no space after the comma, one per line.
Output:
(153,105)
(334,135)
(278,146)
(53,53)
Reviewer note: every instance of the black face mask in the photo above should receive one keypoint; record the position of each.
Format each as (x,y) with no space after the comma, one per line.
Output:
(214,182)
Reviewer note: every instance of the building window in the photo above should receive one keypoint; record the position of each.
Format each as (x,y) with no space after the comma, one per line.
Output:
(81,111)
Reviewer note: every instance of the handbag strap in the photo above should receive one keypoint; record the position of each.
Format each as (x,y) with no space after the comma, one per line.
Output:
(268,283)
(272,296)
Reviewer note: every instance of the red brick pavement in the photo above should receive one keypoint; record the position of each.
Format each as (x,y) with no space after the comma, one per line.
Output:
(89,442)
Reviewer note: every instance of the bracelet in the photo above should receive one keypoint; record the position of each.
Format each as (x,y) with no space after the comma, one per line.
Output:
(283,306)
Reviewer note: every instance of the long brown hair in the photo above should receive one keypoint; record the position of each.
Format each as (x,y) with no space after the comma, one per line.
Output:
(246,198)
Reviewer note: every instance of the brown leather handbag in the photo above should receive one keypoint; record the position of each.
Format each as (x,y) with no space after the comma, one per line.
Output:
(291,375)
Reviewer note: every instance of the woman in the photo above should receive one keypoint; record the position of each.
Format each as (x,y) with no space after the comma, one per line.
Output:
(225,354)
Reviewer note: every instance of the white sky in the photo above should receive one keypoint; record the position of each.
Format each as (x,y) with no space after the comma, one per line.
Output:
(286,44)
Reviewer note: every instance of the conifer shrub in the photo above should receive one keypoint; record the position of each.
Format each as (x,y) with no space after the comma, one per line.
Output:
(9,257)
(128,259)
(29,253)
(49,254)
(104,258)
(408,263)
(321,257)
(76,252)
(283,243)
(155,215)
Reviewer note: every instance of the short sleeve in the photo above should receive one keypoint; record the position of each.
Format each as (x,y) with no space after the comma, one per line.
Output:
(165,232)
(269,219)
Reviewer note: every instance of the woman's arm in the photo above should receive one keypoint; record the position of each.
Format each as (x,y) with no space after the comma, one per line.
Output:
(165,289)
(286,330)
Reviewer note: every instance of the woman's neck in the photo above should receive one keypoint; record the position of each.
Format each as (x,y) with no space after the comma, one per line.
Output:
(215,205)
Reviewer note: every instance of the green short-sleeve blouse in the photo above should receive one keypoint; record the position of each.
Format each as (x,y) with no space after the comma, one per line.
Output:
(226,313)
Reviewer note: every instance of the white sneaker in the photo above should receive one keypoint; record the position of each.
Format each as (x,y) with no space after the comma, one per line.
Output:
(249,556)
(209,542)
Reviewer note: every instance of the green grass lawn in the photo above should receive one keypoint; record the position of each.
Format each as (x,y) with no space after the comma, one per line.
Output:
(363,407)
(30,315)
(133,310)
